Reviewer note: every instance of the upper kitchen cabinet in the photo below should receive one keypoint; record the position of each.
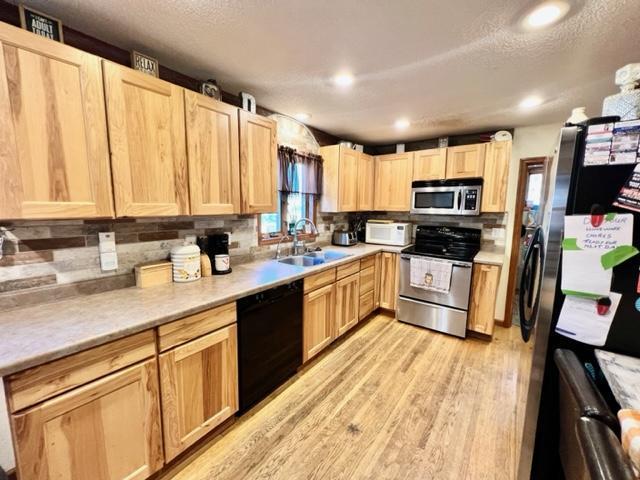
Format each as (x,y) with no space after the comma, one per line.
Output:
(366,181)
(496,172)
(340,179)
(430,164)
(393,182)
(213,155)
(466,161)
(54,155)
(258,163)
(147,136)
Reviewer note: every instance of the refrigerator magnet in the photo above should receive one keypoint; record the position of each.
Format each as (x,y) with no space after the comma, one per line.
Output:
(602,305)
(597,215)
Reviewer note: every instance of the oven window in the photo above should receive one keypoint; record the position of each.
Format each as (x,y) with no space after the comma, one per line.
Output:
(434,199)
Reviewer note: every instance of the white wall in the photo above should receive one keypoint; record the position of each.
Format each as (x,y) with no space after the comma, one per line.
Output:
(7,460)
(535,141)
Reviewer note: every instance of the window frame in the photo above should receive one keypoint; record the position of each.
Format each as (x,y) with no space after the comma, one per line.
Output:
(311,206)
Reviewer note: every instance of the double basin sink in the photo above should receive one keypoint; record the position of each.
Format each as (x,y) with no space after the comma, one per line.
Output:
(314,258)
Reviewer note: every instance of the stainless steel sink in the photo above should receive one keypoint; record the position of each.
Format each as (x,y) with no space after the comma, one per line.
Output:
(314,258)
(301,261)
(328,255)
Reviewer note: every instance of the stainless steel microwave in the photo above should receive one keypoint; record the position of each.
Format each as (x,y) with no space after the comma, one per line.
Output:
(446,197)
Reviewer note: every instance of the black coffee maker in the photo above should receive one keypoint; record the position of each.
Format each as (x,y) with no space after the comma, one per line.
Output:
(216,247)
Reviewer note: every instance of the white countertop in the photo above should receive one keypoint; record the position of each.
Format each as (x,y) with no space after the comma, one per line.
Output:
(491,255)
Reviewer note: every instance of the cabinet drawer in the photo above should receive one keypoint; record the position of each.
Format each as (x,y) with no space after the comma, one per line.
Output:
(348,269)
(45,381)
(367,280)
(367,262)
(193,326)
(366,304)
(319,280)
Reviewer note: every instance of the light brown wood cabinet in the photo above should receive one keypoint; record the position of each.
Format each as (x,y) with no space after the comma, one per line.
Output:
(213,155)
(366,182)
(258,163)
(377,281)
(368,277)
(147,137)
(393,175)
(388,280)
(340,179)
(109,429)
(496,173)
(466,161)
(430,164)
(318,320)
(199,385)
(484,288)
(347,303)
(54,153)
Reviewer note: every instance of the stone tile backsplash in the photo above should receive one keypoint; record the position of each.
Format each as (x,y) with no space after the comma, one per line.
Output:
(45,260)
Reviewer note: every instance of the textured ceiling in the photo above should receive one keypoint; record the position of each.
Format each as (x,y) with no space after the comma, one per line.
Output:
(450,66)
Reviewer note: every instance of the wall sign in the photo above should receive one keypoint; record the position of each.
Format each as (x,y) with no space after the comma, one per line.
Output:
(41,24)
(145,63)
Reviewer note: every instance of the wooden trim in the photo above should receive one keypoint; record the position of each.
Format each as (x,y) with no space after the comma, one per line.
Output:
(515,236)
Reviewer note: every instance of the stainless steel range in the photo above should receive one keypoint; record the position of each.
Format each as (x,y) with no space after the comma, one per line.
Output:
(444,308)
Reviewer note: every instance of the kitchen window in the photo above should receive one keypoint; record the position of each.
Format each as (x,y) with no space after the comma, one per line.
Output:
(299,184)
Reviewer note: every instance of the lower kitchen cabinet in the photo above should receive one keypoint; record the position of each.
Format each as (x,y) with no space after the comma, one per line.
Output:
(318,331)
(484,288)
(199,385)
(108,429)
(388,280)
(347,303)
(377,279)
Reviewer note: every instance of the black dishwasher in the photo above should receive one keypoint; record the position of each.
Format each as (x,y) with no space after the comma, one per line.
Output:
(269,341)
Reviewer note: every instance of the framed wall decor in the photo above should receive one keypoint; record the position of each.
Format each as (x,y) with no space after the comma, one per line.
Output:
(41,24)
(145,64)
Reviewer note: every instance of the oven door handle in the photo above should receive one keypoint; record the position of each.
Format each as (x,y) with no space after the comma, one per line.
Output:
(453,262)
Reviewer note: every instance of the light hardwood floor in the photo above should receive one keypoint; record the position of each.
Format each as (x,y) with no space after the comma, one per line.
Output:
(391,401)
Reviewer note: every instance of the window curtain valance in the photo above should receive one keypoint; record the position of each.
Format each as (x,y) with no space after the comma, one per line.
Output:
(299,172)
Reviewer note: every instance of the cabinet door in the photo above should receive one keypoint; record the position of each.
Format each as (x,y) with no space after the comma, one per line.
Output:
(484,288)
(54,155)
(366,182)
(389,280)
(213,155)
(347,303)
(199,384)
(377,281)
(430,164)
(147,138)
(258,164)
(106,430)
(348,180)
(496,171)
(393,174)
(318,331)
(466,161)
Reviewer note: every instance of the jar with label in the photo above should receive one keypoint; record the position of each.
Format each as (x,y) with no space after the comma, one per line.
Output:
(186,262)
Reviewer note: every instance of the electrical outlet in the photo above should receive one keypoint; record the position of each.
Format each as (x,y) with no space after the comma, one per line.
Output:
(107,249)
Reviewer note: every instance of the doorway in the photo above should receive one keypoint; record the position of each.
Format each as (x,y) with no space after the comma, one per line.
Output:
(530,197)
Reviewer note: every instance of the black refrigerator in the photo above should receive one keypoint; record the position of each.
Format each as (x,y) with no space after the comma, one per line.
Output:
(574,189)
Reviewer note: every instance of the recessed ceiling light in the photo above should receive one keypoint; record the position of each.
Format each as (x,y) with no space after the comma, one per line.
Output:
(531,102)
(302,117)
(545,14)
(343,80)
(402,123)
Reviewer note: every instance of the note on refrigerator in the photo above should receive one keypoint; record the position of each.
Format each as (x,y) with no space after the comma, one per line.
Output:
(580,320)
(590,252)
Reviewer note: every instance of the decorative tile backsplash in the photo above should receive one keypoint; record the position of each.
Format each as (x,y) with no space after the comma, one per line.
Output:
(43,260)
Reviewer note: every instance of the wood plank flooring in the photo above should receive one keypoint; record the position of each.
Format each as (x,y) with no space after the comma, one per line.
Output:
(390,401)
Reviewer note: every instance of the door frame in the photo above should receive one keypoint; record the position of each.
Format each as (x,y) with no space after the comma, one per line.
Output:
(523,167)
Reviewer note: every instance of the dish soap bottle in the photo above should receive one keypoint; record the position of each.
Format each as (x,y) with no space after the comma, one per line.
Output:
(185,259)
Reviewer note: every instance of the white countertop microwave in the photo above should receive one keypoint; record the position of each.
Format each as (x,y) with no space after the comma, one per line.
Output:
(397,234)
(460,196)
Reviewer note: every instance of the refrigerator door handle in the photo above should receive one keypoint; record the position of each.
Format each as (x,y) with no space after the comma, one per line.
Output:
(530,282)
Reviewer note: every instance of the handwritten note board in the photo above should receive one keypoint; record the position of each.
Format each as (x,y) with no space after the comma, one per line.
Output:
(590,252)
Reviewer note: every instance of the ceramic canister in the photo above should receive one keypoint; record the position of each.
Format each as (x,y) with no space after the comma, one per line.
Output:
(186,262)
